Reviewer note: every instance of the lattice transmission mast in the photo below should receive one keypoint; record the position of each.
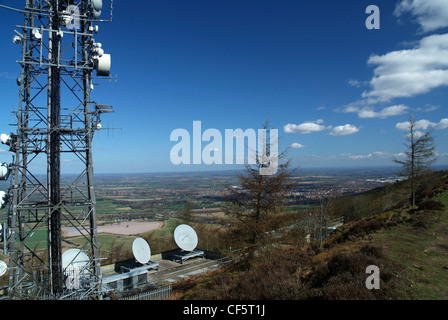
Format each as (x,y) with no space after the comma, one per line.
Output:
(56,121)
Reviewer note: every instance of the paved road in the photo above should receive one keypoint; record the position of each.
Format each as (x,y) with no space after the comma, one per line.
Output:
(170,271)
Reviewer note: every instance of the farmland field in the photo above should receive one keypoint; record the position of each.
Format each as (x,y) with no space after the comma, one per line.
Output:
(149,204)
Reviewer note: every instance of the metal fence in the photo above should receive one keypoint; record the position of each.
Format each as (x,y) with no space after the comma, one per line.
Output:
(158,294)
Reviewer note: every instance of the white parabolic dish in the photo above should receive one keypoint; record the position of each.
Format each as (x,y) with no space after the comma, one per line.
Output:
(103,65)
(141,250)
(3,171)
(185,237)
(3,268)
(74,258)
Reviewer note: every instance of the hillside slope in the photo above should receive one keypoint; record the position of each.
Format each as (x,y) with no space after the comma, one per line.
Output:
(409,246)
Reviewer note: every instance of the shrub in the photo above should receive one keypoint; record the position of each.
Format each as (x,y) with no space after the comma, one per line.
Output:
(431,205)
(343,278)
(373,251)
(366,226)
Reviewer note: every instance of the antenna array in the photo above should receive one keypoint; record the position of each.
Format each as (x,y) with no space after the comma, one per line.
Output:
(56,122)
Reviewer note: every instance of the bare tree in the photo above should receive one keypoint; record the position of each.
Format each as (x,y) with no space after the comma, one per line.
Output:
(419,156)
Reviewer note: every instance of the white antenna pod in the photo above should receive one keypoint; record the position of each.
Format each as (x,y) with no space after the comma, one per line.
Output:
(3,268)
(141,250)
(5,139)
(36,33)
(4,171)
(3,199)
(185,237)
(74,258)
(102,64)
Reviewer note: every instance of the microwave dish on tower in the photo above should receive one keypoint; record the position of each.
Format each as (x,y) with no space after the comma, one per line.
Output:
(4,171)
(3,268)
(74,258)
(4,198)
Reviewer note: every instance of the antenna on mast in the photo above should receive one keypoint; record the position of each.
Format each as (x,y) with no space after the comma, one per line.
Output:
(59,59)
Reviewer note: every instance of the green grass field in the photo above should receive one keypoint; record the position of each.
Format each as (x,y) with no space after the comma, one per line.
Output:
(421,246)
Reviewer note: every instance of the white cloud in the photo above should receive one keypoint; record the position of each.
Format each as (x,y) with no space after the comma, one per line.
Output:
(393,111)
(430,108)
(377,154)
(354,83)
(317,126)
(344,130)
(439,155)
(369,112)
(384,113)
(296,145)
(430,14)
(360,157)
(443,124)
(399,155)
(407,73)
(305,128)
(8,75)
(404,126)
(417,134)
(423,125)
(351,108)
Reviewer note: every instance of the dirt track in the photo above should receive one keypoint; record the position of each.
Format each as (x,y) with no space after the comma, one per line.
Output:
(123,228)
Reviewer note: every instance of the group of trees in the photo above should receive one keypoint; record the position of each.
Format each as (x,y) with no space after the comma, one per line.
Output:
(255,211)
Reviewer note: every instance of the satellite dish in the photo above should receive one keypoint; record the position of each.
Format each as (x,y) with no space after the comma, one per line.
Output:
(97,4)
(3,268)
(185,237)
(103,64)
(16,39)
(3,199)
(5,139)
(74,258)
(4,171)
(141,250)
(37,34)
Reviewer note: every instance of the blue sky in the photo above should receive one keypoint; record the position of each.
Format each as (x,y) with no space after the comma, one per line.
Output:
(336,91)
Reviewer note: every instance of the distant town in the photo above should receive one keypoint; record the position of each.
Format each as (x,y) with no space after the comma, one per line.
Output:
(158,196)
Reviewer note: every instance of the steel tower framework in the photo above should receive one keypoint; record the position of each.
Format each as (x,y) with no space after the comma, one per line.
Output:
(56,121)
